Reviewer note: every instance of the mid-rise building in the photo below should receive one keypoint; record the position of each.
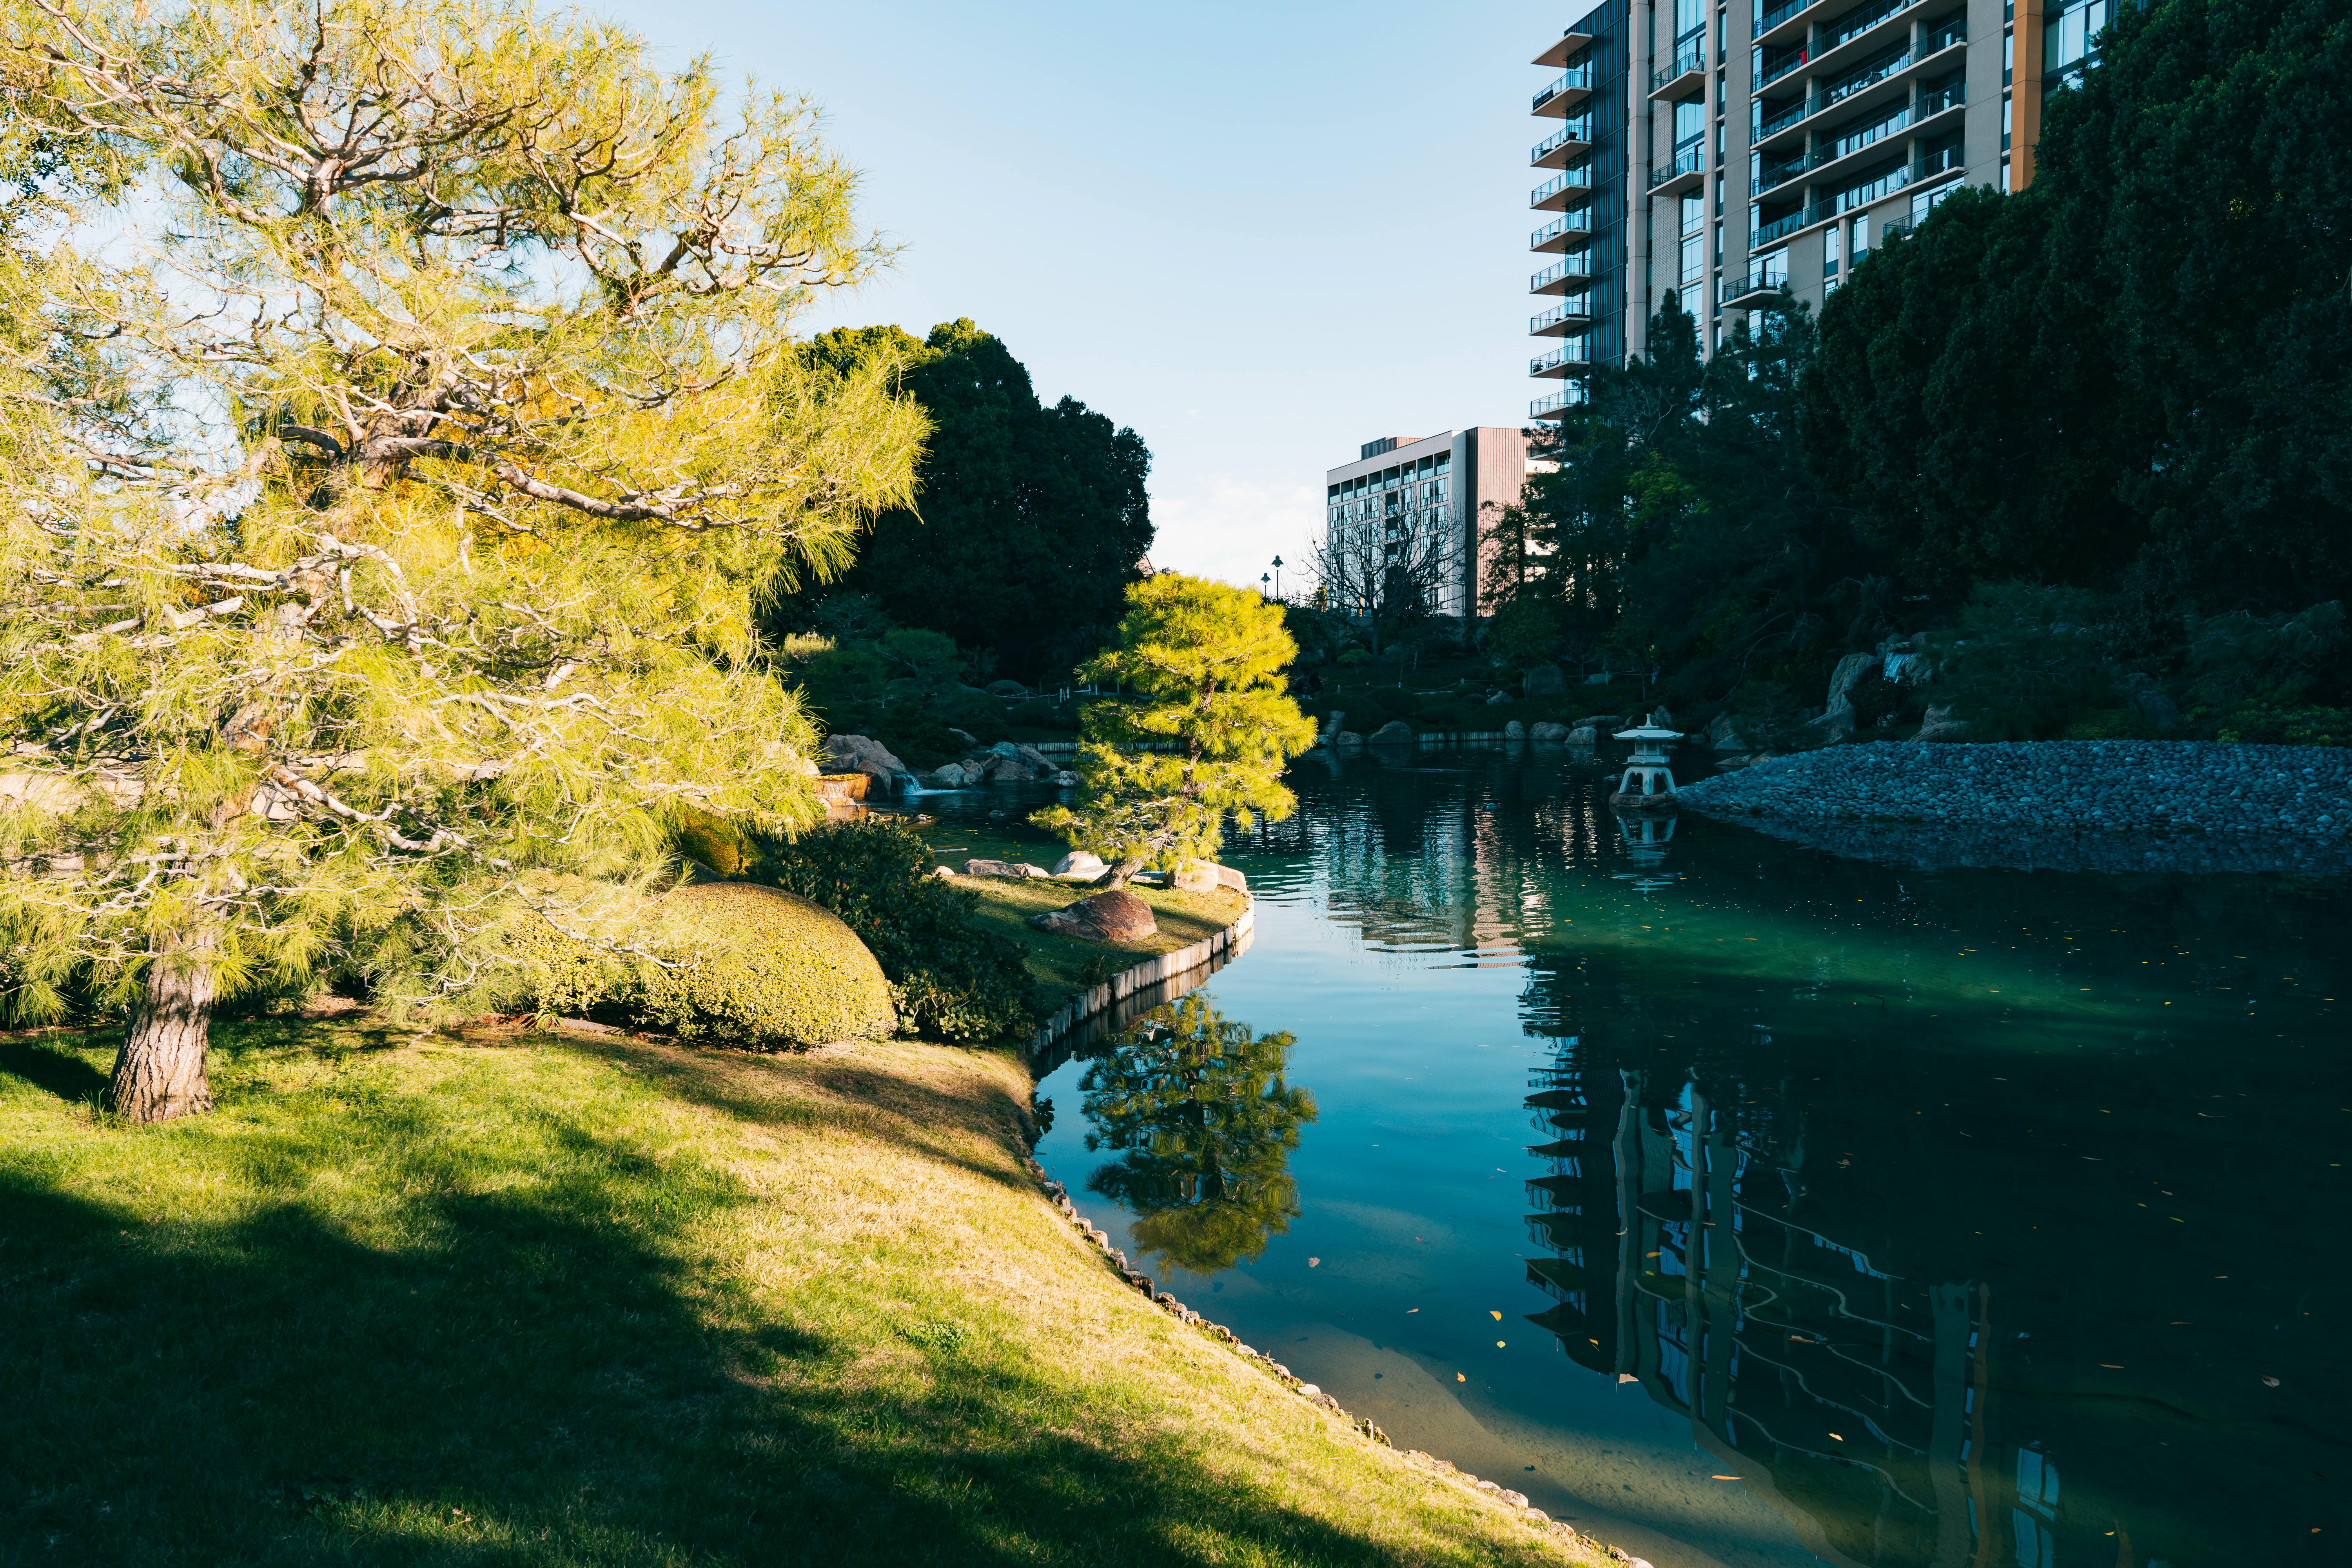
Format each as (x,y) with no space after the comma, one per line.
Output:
(1414,502)
(1743,145)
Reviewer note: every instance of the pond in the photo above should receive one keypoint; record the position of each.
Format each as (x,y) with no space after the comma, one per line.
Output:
(1742,1204)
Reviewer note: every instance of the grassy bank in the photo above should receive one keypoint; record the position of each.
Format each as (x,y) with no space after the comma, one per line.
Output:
(542,1299)
(1062,965)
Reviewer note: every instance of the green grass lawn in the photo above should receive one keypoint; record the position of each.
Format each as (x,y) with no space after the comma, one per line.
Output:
(409,1298)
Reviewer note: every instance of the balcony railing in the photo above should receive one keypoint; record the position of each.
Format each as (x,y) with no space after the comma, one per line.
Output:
(1578,306)
(1558,403)
(1779,229)
(1855,24)
(1552,274)
(1577,130)
(1574,77)
(1578,179)
(1566,354)
(1945,36)
(1689,160)
(1870,73)
(1687,61)
(1767,20)
(1769,279)
(1780,121)
(1937,99)
(1577,222)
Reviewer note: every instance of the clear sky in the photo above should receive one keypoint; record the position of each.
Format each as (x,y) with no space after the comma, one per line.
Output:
(1259,233)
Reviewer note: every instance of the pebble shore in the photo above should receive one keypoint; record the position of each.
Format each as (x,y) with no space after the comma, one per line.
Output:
(2108,806)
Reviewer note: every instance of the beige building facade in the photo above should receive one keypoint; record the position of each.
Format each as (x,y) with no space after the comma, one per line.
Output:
(1420,499)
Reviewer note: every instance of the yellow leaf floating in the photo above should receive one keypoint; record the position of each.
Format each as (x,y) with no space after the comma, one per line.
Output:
(1313,1262)
(1460,1378)
(1498,1316)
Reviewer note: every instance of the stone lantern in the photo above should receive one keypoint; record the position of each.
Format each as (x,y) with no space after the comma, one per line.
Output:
(1648,783)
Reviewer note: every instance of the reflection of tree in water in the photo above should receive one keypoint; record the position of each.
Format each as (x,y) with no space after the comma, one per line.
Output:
(1204,1124)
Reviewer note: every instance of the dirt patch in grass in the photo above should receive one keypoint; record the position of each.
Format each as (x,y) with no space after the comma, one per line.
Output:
(403,1298)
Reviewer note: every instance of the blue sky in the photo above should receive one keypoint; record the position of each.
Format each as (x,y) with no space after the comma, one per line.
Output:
(1259,233)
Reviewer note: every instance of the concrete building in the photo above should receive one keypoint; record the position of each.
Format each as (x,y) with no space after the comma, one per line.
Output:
(1757,143)
(1580,203)
(1417,500)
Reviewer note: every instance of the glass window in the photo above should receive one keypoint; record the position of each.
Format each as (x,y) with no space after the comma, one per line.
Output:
(1693,214)
(1690,15)
(1693,260)
(1690,122)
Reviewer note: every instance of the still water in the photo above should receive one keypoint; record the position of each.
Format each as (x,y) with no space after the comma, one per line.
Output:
(1747,1205)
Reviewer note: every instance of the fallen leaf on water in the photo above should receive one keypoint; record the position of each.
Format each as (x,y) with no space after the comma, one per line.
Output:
(2270,1383)
(1459,1378)
(1723,1477)
(1410,1310)
(1835,1435)
(1498,1316)
(2113,1365)
(1313,1262)
(1498,1345)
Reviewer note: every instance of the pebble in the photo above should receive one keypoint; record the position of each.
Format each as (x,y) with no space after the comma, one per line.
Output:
(2094,806)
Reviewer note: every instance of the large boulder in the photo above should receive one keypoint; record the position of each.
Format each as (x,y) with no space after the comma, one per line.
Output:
(1849,669)
(771,971)
(1723,735)
(1229,878)
(1007,689)
(1018,871)
(1114,915)
(1603,721)
(949,777)
(863,754)
(1584,735)
(1346,738)
(1942,726)
(1834,725)
(1081,866)
(1395,732)
(1515,730)
(1547,730)
(1196,877)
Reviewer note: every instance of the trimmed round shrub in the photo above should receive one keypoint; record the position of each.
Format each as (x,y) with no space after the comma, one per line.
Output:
(771,971)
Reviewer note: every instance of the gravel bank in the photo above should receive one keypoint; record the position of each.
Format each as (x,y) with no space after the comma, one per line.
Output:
(2107,806)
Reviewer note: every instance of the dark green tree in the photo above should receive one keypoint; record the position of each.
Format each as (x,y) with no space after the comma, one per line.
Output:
(1204,1121)
(2138,372)
(1029,521)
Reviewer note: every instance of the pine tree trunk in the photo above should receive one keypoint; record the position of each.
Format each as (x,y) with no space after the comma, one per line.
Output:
(1119,875)
(160,1073)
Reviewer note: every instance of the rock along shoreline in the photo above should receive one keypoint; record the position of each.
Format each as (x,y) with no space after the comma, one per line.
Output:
(2096,806)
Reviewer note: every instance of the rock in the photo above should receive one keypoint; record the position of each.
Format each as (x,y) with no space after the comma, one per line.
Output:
(1196,877)
(942,870)
(1723,735)
(1037,760)
(1515,730)
(1538,1515)
(965,736)
(1065,779)
(1941,726)
(1516,1500)
(1033,873)
(861,754)
(1547,730)
(1849,669)
(1497,698)
(1346,738)
(1544,680)
(1081,866)
(1584,735)
(1308,1391)
(1008,868)
(1833,725)
(1602,721)
(1395,732)
(949,777)
(1229,878)
(1007,689)
(1113,916)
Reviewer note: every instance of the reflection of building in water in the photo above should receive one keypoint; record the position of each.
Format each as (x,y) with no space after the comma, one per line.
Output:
(1856,1401)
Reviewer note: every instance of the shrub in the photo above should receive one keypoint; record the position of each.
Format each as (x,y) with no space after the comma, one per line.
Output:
(952,980)
(771,971)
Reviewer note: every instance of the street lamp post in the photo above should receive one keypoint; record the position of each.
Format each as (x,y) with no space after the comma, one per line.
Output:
(1277,577)
(1261,581)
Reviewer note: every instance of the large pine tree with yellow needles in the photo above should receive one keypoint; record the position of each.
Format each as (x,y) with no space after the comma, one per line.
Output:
(391,482)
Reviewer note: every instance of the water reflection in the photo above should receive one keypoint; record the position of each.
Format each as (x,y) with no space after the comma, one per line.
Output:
(1203,1122)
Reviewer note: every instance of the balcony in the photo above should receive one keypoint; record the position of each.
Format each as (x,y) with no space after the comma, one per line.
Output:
(1779,229)
(1685,172)
(1564,48)
(1563,146)
(1897,179)
(1572,319)
(1784,21)
(1563,278)
(1780,121)
(1568,358)
(1766,75)
(1566,93)
(1569,231)
(1689,71)
(1571,189)
(1873,80)
(1868,74)
(1760,288)
(1556,405)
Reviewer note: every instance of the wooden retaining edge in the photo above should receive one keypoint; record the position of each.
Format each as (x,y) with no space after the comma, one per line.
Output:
(1153,971)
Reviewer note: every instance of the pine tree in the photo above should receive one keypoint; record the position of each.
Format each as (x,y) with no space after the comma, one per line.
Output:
(1207,660)
(382,544)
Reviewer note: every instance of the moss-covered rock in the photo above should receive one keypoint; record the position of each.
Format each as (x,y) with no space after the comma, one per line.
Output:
(770,970)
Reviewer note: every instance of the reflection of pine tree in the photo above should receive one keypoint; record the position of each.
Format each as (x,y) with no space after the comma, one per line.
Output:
(1206,1124)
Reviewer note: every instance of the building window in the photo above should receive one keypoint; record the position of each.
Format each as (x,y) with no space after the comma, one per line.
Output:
(2066,39)
(1831,250)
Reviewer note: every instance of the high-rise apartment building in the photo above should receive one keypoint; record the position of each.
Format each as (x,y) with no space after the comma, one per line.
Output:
(1734,146)
(1416,502)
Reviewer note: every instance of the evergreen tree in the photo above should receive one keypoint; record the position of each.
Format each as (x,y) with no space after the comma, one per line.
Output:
(1204,1121)
(1207,663)
(380,549)
(1028,521)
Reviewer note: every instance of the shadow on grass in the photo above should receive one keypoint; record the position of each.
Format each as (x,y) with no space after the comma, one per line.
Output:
(48,1063)
(508,1347)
